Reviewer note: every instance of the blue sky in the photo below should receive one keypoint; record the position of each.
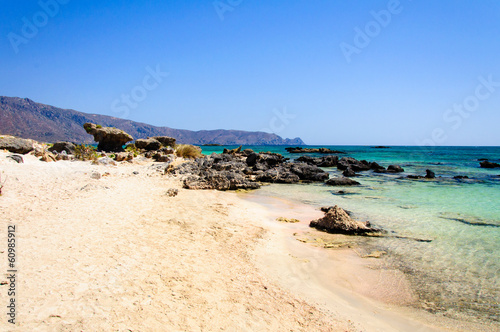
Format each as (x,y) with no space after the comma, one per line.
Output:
(331,72)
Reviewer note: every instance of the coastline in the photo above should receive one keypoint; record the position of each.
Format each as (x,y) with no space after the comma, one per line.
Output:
(117,253)
(342,279)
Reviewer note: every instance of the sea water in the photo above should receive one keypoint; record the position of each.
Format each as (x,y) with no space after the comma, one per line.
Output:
(456,270)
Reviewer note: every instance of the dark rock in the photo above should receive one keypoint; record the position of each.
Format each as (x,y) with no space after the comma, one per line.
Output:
(167,150)
(380,147)
(225,180)
(460,177)
(374,166)
(429,174)
(162,158)
(309,172)
(252,159)
(18,159)
(325,161)
(337,221)
(247,152)
(488,164)
(148,144)
(342,181)
(415,177)
(16,145)
(59,147)
(278,175)
(165,140)
(110,139)
(395,169)
(349,172)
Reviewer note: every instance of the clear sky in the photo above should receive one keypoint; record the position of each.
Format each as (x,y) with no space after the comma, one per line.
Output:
(331,72)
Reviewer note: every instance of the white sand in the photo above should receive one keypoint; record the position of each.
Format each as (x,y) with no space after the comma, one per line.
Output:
(117,254)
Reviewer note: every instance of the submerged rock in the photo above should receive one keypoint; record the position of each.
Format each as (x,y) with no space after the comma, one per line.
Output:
(429,174)
(488,164)
(336,220)
(342,181)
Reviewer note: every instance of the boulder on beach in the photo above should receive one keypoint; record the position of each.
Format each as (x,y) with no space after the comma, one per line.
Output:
(165,140)
(429,174)
(110,139)
(148,144)
(342,181)
(15,144)
(59,147)
(336,220)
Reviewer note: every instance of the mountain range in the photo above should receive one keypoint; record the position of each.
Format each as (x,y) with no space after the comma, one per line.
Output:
(25,118)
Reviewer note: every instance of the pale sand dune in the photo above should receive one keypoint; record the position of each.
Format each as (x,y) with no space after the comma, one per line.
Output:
(117,254)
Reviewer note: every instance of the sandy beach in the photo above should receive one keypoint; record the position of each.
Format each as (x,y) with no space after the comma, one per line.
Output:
(116,253)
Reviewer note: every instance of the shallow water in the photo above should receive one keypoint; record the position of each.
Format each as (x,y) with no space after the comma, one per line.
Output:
(458,272)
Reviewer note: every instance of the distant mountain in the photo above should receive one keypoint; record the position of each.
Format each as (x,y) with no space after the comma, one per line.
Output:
(25,118)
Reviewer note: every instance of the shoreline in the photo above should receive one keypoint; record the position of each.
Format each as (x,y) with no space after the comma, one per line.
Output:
(368,288)
(118,253)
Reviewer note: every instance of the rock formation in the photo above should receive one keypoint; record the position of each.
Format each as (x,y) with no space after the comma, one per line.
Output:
(110,139)
(336,220)
(16,145)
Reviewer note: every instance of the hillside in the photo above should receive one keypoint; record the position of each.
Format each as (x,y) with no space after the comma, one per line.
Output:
(25,118)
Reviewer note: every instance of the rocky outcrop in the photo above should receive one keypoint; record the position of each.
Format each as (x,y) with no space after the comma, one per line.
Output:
(342,181)
(349,172)
(16,145)
(337,221)
(59,147)
(428,175)
(299,149)
(165,140)
(325,161)
(489,164)
(148,144)
(110,139)
(391,169)
(245,170)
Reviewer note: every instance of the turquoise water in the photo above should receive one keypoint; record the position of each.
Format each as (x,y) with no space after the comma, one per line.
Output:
(458,272)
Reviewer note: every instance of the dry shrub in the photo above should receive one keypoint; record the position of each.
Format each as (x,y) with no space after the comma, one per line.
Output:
(86,152)
(188,151)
